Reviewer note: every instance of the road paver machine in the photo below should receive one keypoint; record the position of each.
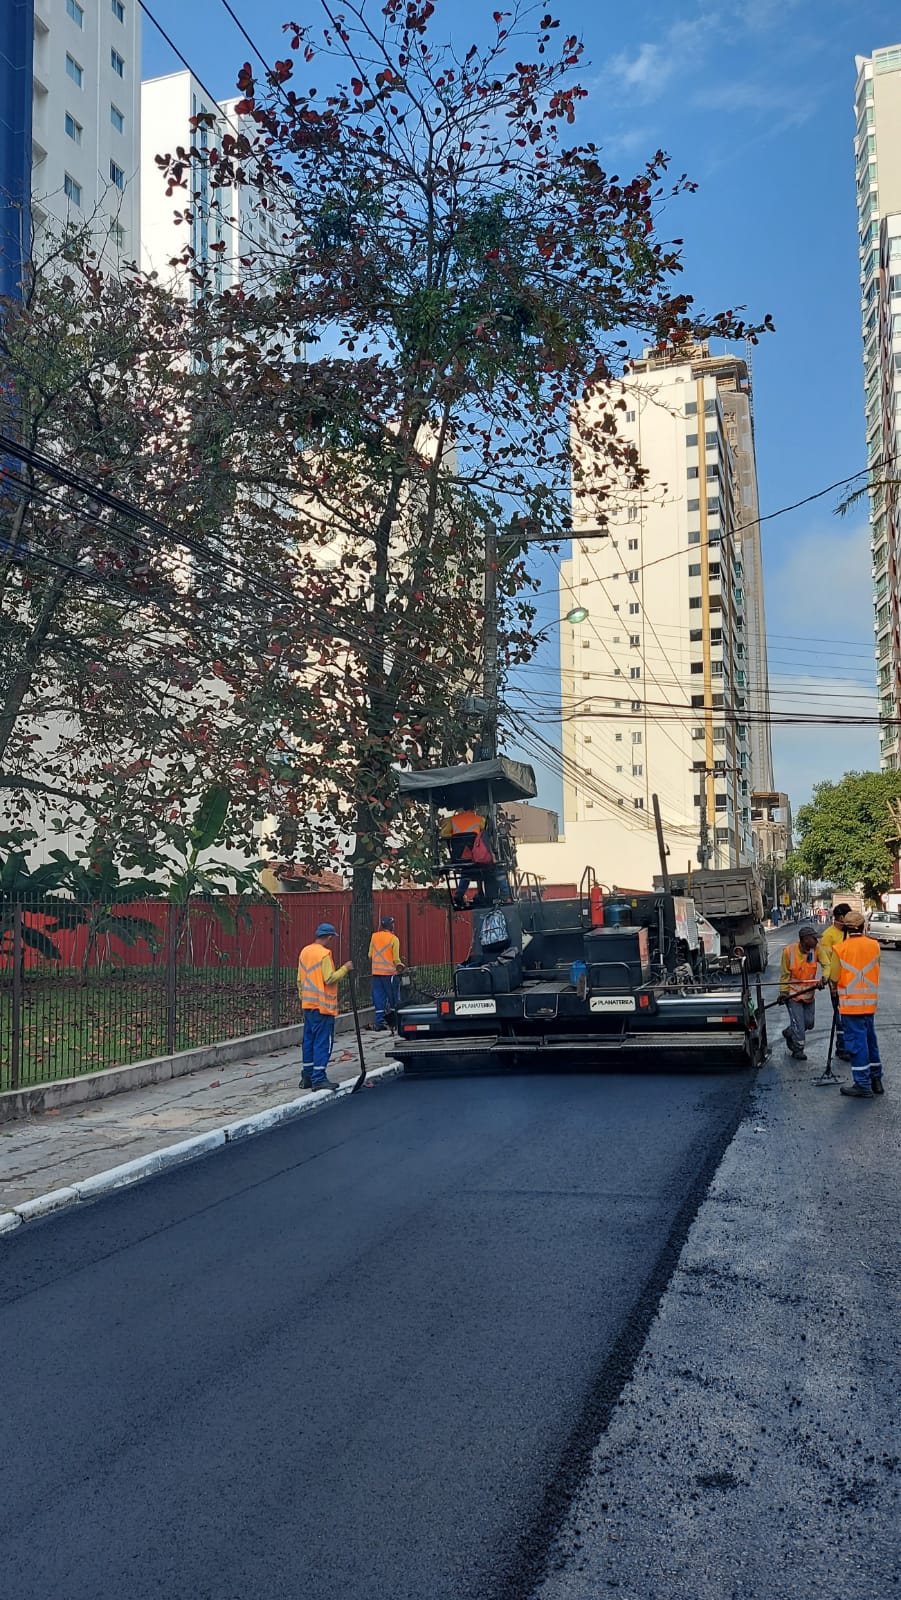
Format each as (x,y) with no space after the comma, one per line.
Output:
(604,978)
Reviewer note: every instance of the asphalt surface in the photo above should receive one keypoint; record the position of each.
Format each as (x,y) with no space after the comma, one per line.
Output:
(366,1355)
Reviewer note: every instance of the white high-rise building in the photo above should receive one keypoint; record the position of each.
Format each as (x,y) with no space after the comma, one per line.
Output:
(664,685)
(877,148)
(232,219)
(85,122)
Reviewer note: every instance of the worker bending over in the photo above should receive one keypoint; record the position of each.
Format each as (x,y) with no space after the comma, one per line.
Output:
(805,969)
(384,954)
(317,985)
(855,974)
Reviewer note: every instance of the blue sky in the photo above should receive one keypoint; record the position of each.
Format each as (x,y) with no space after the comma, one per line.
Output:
(753,99)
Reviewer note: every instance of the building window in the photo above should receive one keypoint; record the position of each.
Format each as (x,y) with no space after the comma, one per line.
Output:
(691,439)
(117,63)
(638,772)
(635,640)
(691,472)
(634,608)
(694,505)
(697,733)
(73,128)
(694,602)
(617,672)
(632,514)
(117,118)
(713,470)
(711,440)
(72,189)
(638,803)
(118,10)
(616,608)
(76,72)
(620,802)
(117,176)
(618,738)
(630,416)
(631,544)
(635,705)
(697,667)
(710,408)
(619,768)
(117,234)
(73,10)
(694,569)
(633,575)
(637,738)
(694,536)
(691,409)
(634,672)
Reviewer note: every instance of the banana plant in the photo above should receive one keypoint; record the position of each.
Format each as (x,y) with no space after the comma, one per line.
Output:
(191,876)
(20,886)
(96,888)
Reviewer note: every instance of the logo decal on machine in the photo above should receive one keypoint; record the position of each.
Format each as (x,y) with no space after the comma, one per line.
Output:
(611,1002)
(475,1008)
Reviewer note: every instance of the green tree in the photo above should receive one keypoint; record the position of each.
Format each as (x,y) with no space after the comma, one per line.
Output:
(460,279)
(846,832)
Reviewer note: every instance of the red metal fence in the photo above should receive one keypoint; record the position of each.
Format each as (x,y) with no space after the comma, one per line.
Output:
(86,987)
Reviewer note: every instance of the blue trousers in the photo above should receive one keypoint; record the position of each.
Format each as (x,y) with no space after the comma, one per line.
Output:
(385,997)
(862,1046)
(318,1039)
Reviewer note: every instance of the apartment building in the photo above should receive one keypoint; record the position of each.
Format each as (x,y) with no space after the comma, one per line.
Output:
(877,149)
(226,225)
(664,685)
(69,127)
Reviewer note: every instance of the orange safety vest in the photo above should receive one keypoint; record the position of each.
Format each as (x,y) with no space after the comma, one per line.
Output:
(383,954)
(467,822)
(804,973)
(858,981)
(315,993)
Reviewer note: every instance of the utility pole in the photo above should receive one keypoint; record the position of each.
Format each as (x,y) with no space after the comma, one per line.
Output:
(661,846)
(704,851)
(490,647)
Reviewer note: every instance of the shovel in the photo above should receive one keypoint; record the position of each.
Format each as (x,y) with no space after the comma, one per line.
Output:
(827,1076)
(352,980)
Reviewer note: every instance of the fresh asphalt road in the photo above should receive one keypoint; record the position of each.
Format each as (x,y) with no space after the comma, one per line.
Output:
(364,1355)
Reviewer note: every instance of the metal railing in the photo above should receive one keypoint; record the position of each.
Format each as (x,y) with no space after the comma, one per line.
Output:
(85,987)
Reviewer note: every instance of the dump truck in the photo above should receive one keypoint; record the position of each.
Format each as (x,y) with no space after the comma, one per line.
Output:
(731,899)
(598,978)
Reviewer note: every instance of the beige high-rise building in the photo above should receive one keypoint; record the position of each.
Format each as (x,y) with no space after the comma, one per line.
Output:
(877,148)
(665,683)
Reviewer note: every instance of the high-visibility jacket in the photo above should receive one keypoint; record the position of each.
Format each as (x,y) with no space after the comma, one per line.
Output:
(317,980)
(855,971)
(799,971)
(384,953)
(467,822)
(832,936)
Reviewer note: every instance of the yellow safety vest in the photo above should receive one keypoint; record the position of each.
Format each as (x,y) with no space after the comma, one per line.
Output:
(382,948)
(315,993)
(803,972)
(858,981)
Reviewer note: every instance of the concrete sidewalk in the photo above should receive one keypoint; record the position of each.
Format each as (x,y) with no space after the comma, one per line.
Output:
(58,1148)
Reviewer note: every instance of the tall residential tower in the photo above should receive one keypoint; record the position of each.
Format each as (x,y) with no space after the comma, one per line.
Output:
(877,147)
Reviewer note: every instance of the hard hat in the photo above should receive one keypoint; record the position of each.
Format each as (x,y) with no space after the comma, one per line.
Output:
(326,930)
(387,922)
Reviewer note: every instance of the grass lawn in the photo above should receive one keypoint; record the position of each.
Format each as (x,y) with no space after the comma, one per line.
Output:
(118,1017)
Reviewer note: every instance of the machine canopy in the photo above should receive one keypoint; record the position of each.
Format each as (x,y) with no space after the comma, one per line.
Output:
(467,785)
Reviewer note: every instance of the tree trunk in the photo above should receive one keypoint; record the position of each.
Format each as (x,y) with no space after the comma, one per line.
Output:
(362,925)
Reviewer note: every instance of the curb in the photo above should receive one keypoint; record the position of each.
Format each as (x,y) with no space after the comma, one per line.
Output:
(178,1155)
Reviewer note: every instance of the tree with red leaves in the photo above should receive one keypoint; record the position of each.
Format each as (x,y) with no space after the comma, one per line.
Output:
(459,276)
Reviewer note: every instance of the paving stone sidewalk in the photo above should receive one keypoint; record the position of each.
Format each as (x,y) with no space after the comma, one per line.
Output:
(63,1147)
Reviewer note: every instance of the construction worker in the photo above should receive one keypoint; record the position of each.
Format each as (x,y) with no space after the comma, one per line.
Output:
(317,985)
(461,831)
(855,974)
(805,969)
(833,936)
(384,954)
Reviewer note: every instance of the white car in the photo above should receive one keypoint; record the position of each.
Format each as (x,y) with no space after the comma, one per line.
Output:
(886,927)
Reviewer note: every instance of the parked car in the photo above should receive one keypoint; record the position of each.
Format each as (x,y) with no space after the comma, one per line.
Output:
(886,927)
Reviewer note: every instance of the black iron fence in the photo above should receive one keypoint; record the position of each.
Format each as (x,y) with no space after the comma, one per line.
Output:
(83,987)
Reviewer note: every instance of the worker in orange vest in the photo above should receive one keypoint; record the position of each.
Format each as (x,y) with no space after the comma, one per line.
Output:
(384,954)
(317,985)
(799,981)
(855,975)
(461,831)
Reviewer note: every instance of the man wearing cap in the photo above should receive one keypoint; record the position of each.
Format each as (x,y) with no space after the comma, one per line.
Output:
(855,975)
(833,936)
(317,985)
(384,954)
(799,981)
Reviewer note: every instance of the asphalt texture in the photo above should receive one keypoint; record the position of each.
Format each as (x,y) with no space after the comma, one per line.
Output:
(369,1354)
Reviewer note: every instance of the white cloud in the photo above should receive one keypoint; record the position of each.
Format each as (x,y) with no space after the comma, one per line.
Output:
(650,69)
